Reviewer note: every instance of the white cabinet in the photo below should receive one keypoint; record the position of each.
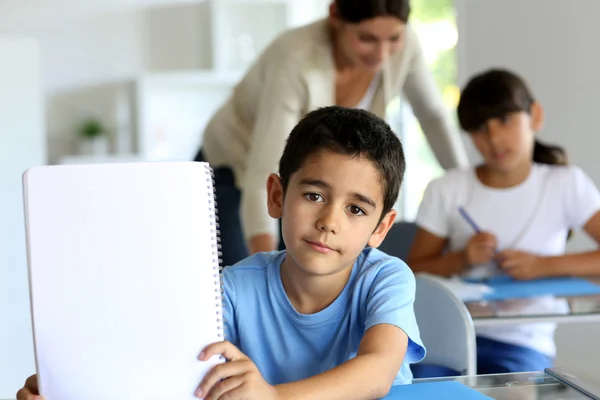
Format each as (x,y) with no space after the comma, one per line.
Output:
(174,108)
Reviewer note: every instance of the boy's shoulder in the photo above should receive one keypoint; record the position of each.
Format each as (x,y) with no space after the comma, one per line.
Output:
(254,265)
(374,263)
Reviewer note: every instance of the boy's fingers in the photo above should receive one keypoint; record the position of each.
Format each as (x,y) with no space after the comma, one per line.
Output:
(225,386)
(32,384)
(30,390)
(25,394)
(236,393)
(225,348)
(220,373)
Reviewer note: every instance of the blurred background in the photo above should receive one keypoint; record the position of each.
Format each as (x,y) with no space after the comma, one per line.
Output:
(126,80)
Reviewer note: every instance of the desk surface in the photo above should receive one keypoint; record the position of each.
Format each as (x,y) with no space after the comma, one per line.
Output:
(537,309)
(519,386)
(570,309)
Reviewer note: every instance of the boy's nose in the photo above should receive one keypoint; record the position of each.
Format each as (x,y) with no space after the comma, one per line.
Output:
(329,220)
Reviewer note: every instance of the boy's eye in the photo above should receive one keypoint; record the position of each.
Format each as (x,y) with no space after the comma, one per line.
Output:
(354,210)
(314,197)
(504,119)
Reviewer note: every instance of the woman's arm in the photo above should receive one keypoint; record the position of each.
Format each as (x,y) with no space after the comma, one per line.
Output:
(427,255)
(426,101)
(279,110)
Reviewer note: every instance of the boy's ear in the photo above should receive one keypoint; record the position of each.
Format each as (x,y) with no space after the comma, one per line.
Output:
(275,196)
(537,116)
(382,229)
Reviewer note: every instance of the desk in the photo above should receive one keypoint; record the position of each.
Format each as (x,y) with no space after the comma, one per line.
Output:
(519,386)
(494,313)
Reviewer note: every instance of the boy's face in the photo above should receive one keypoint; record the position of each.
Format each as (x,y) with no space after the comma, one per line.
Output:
(331,211)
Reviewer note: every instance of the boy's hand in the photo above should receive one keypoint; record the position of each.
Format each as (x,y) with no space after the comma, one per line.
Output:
(480,248)
(236,379)
(521,265)
(30,390)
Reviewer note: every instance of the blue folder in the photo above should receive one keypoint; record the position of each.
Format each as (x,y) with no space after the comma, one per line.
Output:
(444,390)
(507,288)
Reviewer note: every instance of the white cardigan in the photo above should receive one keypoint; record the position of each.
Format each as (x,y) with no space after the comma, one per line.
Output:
(294,75)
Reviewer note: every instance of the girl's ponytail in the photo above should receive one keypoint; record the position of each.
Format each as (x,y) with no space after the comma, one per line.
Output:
(549,154)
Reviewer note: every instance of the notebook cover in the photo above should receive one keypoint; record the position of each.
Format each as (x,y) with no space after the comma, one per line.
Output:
(125,288)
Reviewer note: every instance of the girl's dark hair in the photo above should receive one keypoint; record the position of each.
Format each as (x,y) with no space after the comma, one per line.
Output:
(494,94)
(355,11)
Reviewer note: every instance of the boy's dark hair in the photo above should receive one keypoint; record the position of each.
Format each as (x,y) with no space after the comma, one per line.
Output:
(495,93)
(350,132)
(355,11)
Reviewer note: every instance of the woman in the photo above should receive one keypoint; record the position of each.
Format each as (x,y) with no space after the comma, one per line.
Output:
(362,56)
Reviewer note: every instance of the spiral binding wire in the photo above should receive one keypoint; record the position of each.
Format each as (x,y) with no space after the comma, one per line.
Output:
(216,247)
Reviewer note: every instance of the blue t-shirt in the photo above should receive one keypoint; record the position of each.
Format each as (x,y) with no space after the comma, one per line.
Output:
(288,346)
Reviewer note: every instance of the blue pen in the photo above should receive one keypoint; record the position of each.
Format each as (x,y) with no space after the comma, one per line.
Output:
(471,222)
(476,228)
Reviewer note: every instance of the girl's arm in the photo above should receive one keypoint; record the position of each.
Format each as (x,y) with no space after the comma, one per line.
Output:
(427,255)
(579,264)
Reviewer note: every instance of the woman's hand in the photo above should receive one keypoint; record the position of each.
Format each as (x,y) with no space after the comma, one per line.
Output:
(237,379)
(481,248)
(30,390)
(521,265)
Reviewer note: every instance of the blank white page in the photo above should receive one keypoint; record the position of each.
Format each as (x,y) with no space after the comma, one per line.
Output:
(124,279)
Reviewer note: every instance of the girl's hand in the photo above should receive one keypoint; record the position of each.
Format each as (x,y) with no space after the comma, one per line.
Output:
(521,265)
(481,248)
(236,379)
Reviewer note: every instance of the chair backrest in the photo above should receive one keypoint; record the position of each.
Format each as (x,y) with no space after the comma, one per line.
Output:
(399,239)
(445,325)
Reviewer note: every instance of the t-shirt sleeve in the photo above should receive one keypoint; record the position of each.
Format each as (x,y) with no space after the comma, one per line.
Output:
(391,301)
(432,215)
(582,198)
(229,299)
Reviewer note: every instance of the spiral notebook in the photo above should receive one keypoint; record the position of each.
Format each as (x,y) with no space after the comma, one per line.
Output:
(124,278)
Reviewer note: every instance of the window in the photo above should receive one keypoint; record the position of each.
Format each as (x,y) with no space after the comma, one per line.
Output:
(435,24)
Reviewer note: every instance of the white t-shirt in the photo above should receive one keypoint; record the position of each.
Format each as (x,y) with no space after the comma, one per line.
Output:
(367,100)
(534,216)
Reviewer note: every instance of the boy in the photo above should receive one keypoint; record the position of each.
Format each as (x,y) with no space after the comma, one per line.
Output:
(327,318)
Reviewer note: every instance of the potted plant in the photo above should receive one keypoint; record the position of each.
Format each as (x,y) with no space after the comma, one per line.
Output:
(93,137)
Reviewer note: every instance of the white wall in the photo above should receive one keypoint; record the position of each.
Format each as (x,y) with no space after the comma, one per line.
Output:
(21,146)
(553,44)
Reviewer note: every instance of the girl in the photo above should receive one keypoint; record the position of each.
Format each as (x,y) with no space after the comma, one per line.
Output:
(524,199)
